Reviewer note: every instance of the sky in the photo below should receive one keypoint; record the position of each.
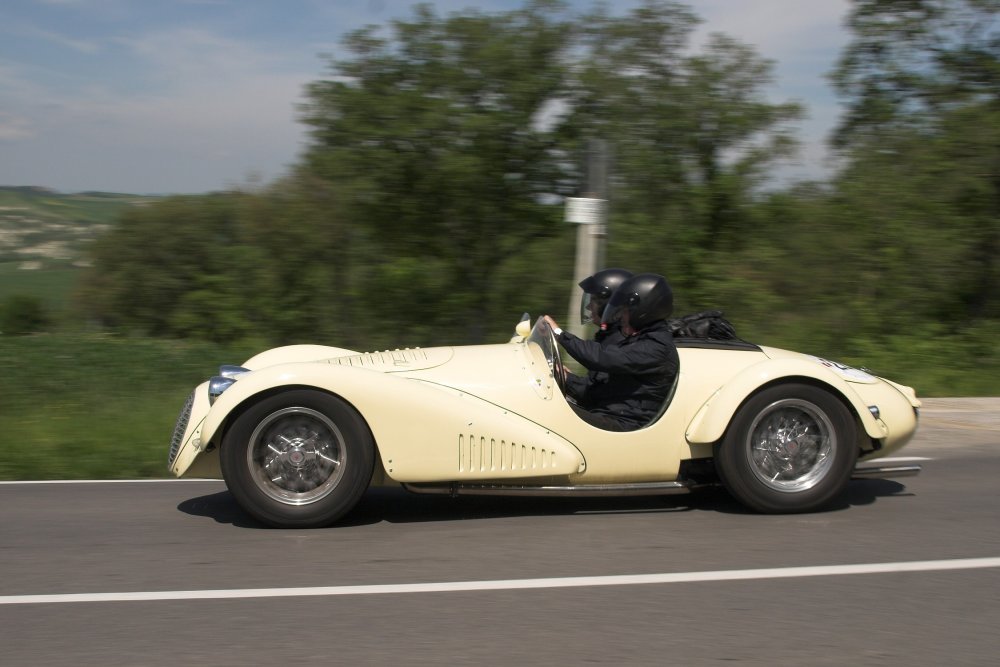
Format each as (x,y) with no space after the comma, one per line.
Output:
(191,96)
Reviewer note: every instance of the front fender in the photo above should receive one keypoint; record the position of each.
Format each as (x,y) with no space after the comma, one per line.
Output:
(294,353)
(710,422)
(424,432)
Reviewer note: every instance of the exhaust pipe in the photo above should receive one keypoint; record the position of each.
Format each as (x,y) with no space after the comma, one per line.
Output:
(880,472)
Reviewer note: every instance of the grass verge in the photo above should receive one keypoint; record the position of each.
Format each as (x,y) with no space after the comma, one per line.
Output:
(75,406)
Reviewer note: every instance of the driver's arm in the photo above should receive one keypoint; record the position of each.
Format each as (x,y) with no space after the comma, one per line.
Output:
(637,359)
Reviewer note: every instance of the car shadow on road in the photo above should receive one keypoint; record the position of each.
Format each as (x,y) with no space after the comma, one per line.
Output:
(867,491)
(392,505)
(220,506)
(859,492)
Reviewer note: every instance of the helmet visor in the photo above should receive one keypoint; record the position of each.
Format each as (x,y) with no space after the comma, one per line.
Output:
(591,308)
(618,309)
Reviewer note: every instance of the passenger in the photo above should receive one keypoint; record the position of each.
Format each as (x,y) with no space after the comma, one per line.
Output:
(597,291)
(641,366)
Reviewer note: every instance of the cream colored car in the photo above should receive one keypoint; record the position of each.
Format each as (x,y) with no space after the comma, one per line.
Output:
(300,432)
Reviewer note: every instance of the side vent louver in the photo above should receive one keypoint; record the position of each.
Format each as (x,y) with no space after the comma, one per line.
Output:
(478,454)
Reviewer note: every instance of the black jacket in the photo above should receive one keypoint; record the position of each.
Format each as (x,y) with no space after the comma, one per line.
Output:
(640,371)
(587,389)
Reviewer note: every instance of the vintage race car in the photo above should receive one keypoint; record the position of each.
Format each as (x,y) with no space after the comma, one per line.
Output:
(300,432)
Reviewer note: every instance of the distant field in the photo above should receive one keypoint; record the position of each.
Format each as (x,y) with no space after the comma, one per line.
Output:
(52,285)
(43,240)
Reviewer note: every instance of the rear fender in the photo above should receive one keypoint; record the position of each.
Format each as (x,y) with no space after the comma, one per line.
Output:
(710,422)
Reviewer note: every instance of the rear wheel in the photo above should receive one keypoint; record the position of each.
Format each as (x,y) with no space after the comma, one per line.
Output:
(790,448)
(298,459)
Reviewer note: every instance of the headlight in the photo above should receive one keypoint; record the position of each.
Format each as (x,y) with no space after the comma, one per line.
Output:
(223,381)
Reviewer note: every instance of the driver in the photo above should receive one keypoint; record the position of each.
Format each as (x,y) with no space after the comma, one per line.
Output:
(641,365)
(597,291)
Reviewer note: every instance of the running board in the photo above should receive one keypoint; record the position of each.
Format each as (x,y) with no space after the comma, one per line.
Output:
(581,491)
(881,472)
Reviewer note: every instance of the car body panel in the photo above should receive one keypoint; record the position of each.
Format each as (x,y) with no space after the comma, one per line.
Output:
(713,417)
(494,412)
(291,353)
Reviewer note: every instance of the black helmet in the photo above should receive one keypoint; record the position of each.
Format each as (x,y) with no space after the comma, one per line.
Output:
(645,298)
(597,289)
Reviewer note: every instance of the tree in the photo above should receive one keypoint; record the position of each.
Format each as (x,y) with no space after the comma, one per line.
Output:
(438,141)
(427,208)
(921,79)
(160,259)
(694,137)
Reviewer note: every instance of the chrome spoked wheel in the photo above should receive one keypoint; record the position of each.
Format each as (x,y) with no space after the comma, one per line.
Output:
(789,448)
(790,445)
(297,456)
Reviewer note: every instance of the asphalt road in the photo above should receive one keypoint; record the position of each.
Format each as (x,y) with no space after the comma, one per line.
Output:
(157,537)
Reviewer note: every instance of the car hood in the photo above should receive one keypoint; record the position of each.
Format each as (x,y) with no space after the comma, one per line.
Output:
(397,361)
(487,371)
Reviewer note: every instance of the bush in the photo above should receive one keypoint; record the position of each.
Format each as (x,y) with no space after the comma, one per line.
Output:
(22,314)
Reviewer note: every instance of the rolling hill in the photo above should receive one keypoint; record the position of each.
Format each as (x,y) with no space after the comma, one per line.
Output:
(44,235)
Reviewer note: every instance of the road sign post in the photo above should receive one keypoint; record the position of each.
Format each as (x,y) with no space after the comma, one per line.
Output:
(590,214)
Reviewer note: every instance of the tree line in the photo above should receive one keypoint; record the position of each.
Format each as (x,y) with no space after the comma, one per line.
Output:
(426,208)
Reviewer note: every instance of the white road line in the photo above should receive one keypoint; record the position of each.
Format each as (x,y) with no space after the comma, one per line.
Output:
(514,584)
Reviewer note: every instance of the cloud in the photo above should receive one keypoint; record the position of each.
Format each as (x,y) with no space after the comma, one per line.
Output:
(778,26)
(211,111)
(187,107)
(79,45)
(13,127)
(803,39)
(212,87)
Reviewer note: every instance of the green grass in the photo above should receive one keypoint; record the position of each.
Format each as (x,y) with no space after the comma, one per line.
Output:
(87,406)
(937,361)
(53,286)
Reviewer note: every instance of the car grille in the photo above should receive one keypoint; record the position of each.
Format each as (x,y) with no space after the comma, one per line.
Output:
(179,429)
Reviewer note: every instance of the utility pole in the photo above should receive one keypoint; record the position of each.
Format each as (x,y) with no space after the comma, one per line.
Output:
(590,214)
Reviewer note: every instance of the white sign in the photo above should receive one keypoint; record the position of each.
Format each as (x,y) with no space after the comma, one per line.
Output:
(585,211)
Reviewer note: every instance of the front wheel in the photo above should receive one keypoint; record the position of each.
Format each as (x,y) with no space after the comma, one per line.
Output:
(298,459)
(791,448)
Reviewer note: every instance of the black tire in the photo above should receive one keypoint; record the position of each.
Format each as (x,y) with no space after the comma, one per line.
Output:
(298,459)
(791,448)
